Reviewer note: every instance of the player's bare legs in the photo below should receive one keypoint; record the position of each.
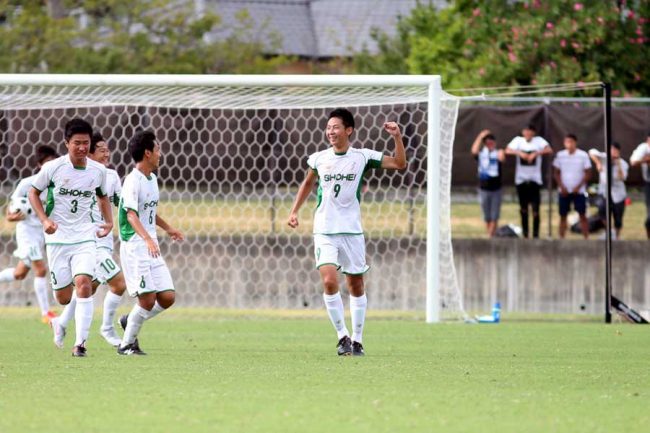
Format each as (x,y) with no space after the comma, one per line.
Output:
(358,306)
(20,272)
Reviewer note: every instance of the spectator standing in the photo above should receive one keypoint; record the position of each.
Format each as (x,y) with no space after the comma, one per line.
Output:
(529,150)
(641,157)
(484,150)
(572,169)
(619,193)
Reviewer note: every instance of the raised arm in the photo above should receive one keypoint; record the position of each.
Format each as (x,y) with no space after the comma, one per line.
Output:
(476,146)
(303,192)
(397,162)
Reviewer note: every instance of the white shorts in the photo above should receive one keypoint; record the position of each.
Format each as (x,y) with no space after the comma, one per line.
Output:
(68,261)
(346,252)
(106,268)
(143,273)
(30,242)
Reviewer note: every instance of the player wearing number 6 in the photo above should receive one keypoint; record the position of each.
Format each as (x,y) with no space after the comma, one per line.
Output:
(145,271)
(74,184)
(339,243)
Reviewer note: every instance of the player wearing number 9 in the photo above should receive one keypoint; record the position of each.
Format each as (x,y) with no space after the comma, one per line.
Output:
(339,243)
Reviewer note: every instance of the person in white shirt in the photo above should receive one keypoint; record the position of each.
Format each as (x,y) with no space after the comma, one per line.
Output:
(619,193)
(145,271)
(572,169)
(338,235)
(30,241)
(490,160)
(529,149)
(641,158)
(74,184)
(107,270)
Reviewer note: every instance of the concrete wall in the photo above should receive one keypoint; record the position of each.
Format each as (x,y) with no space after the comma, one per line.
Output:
(278,272)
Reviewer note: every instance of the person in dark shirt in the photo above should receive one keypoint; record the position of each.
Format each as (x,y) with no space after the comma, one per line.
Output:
(489,160)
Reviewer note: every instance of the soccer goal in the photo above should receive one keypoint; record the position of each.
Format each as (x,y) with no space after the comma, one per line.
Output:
(234,152)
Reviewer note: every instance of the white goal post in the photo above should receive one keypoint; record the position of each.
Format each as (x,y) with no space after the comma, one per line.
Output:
(34,107)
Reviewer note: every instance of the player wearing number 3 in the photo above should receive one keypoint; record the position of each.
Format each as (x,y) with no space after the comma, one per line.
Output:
(339,243)
(74,185)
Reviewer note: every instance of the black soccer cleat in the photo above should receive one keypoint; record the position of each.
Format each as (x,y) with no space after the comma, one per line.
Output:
(344,348)
(357,349)
(79,351)
(130,349)
(123,322)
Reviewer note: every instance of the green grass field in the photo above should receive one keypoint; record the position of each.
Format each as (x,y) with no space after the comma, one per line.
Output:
(231,372)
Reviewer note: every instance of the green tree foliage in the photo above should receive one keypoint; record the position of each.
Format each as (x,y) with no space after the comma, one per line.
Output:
(474,43)
(124,36)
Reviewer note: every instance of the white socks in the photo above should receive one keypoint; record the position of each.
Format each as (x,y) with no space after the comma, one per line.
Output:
(111,302)
(358,313)
(83,316)
(334,305)
(137,316)
(40,287)
(7,275)
(68,311)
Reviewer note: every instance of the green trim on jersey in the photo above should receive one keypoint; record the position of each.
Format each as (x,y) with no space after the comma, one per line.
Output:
(359,274)
(78,167)
(115,199)
(341,153)
(329,264)
(373,163)
(49,202)
(319,196)
(126,229)
(99,192)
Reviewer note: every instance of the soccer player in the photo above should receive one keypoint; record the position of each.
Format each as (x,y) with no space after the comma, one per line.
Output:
(339,243)
(30,240)
(73,183)
(146,273)
(107,271)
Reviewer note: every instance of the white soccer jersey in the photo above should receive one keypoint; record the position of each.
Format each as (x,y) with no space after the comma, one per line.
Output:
(339,188)
(139,193)
(22,189)
(528,171)
(113,191)
(71,192)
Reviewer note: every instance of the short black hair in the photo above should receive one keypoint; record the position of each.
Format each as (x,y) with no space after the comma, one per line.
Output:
(346,117)
(572,137)
(45,152)
(617,145)
(77,126)
(96,138)
(489,137)
(141,141)
(531,127)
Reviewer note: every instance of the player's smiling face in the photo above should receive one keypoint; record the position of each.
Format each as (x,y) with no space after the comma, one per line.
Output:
(78,146)
(154,157)
(337,134)
(102,153)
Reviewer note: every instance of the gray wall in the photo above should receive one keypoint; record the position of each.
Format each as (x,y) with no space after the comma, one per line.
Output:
(278,272)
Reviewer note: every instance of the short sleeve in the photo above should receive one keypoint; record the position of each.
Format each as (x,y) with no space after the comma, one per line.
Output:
(117,191)
(541,142)
(556,162)
(43,178)
(373,158)
(102,189)
(638,154)
(130,192)
(514,144)
(311,162)
(597,153)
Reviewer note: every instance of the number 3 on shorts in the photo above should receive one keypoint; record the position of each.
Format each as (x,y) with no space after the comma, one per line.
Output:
(53,278)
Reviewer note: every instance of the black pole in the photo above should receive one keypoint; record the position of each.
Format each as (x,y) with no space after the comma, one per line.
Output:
(608,203)
(549,175)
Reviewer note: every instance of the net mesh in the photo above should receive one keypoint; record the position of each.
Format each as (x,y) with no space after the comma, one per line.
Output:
(233,158)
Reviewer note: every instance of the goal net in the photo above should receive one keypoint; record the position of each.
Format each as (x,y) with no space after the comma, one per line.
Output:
(234,153)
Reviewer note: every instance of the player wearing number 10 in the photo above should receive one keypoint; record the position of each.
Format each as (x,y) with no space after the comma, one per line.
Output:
(73,183)
(146,273)
(339,243)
